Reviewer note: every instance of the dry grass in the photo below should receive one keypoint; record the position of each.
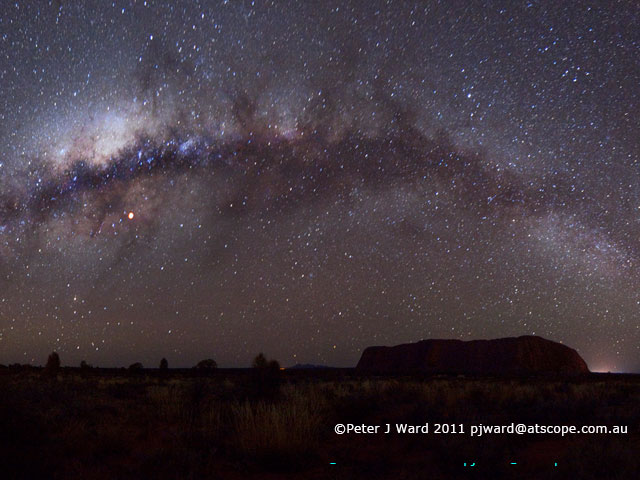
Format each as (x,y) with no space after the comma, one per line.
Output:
(276,431)
(180,427)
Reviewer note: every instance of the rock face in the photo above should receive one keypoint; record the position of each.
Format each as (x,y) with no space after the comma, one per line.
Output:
(514,355)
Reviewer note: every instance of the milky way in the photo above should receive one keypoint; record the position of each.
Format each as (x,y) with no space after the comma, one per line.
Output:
(216,179)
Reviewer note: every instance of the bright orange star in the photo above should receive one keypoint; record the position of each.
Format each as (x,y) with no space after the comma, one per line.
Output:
(131,215)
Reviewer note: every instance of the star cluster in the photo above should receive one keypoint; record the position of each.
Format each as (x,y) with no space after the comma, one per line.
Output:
(195,179)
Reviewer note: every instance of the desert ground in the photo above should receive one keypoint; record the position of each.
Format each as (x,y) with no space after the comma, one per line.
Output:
(188,424)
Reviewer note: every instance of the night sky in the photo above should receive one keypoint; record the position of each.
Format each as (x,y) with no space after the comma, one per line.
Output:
(215,179)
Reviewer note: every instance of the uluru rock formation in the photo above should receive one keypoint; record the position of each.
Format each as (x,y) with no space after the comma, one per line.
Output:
(514,355)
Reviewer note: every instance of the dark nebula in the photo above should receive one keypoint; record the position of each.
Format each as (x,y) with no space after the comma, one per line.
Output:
(214,179)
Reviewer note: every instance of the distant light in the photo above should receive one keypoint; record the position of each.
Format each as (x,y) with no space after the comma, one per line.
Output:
(131,215)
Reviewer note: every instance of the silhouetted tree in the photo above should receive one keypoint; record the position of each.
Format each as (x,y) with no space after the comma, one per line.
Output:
(53,364)
(260,361)
(266,376)
(164,365)
(85,368)
(207,364)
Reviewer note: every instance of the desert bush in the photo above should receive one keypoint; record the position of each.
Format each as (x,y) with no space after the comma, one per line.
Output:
(207,364)
(136,367)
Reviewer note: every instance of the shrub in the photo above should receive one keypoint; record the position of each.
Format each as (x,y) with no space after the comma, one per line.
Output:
(136,367)
(274,366)
(208,364)
(164,364)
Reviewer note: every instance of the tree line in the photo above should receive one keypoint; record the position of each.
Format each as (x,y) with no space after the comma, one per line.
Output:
(260,362)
